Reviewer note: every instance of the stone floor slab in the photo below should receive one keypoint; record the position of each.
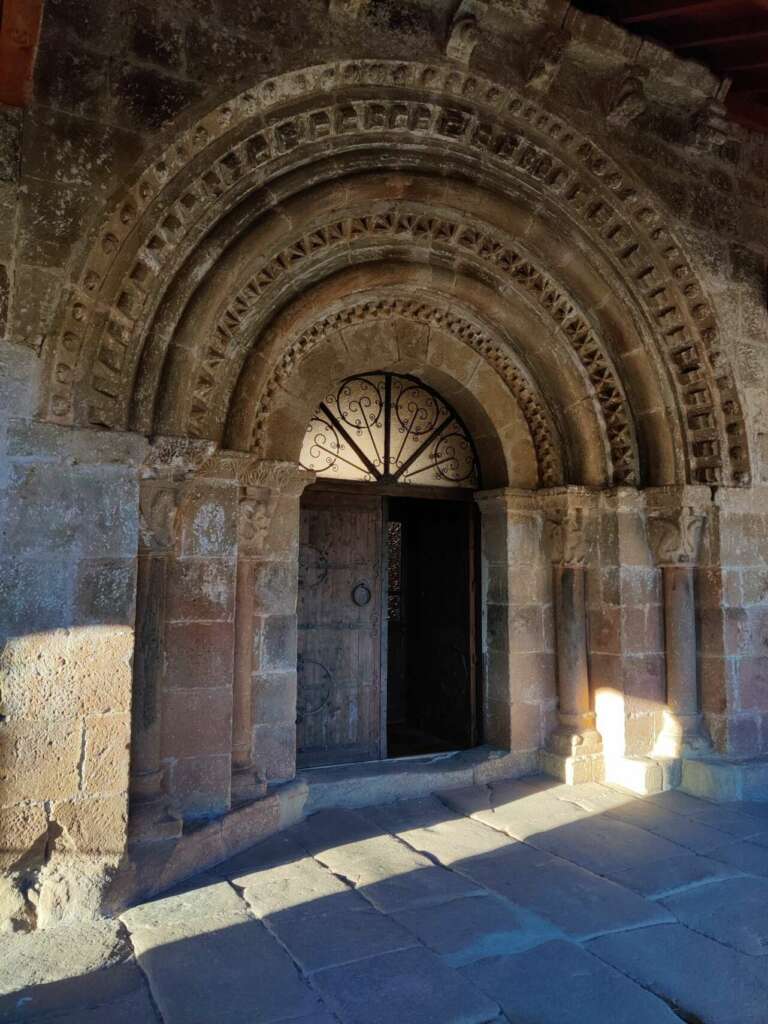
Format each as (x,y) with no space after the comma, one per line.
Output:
(664,877)
(318,918)
(448,838)
(559,983)
(386,871)
(722,818)
(206,959)
(679,829)
(409,987)
(66,970)
(470,929)
(134,1008)
(703,979)
(746,856)
(573,899)
(602,844)
(733,911)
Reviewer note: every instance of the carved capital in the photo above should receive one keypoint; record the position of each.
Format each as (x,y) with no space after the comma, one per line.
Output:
(567,533)
(675,534)
(286,478)
(179,456)
(255,513)
(624,96)
(546,55)
(158,515)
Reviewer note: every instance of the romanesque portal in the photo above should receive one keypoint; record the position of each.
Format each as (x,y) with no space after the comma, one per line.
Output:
(384,405)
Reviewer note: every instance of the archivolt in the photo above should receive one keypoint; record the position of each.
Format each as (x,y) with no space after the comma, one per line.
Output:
(412,110)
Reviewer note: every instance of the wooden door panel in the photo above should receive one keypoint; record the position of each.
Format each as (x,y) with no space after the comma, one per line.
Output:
(339,643)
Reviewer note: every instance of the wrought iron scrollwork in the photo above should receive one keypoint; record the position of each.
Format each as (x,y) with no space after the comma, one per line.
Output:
(389,427)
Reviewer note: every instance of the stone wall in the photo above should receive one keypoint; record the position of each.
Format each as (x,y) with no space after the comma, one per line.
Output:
(116,85)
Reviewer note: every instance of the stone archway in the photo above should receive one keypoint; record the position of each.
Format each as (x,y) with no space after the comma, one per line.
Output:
(417,219)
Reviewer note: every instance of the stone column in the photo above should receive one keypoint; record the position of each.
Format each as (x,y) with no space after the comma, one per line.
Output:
(518,678)
(676,518)
(253,522)
(151,814)
(264,695)
(574,749)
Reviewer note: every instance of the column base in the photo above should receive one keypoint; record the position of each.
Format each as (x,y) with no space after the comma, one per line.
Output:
(570,740)
(247,784)
(152,820)
(572,770)
(718,778)
(643,775)
(682,736)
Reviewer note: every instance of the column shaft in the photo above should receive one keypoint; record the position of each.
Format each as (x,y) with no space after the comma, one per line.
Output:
(680,634)
(572,668)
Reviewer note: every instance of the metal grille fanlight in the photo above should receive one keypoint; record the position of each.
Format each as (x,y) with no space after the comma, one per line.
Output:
(392,428)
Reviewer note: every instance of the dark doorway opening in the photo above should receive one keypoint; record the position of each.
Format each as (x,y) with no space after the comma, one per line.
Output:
(430,606)
(387,617)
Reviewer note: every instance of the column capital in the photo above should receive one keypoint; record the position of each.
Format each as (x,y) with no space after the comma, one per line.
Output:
(567,512)
(675,520)
(158,514)
(508,499)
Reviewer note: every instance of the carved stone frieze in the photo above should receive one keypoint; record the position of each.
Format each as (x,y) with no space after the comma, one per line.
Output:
(160,218)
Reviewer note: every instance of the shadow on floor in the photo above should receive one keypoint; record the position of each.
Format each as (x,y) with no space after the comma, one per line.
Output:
(522,901)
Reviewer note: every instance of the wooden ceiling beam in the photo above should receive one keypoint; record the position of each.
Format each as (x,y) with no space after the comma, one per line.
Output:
(19,35)
(647,10)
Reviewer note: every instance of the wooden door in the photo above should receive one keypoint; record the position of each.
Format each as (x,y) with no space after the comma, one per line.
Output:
(339,641)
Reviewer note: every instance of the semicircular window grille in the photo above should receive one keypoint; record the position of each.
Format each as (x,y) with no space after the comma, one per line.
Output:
(391,428)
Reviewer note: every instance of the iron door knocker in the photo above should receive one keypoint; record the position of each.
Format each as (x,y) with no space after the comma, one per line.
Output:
(361,595)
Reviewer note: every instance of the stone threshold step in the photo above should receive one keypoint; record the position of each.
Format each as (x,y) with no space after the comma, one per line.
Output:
(406,778)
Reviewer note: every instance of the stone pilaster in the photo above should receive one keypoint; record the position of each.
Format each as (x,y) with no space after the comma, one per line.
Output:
(676,519)
(152,815)
(264,693)
(574,748)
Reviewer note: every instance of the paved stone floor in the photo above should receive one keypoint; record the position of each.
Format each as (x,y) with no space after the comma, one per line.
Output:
(525,902)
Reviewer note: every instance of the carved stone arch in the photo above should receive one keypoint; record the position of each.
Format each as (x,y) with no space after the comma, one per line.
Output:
(415,110)
(267,268)
(565,395)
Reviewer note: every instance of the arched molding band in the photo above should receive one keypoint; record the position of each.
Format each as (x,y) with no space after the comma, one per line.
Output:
(422,311)
(516,330)
(257,135)
(437,234)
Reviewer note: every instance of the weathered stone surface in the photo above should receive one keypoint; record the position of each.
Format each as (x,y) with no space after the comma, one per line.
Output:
(746,856)
(733,911)
(667,876)
(476,927)
(573,899)
(559,981)
(411,986)
(386,872)
(319,919)
(188,943)
(687,970)
(30,963)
